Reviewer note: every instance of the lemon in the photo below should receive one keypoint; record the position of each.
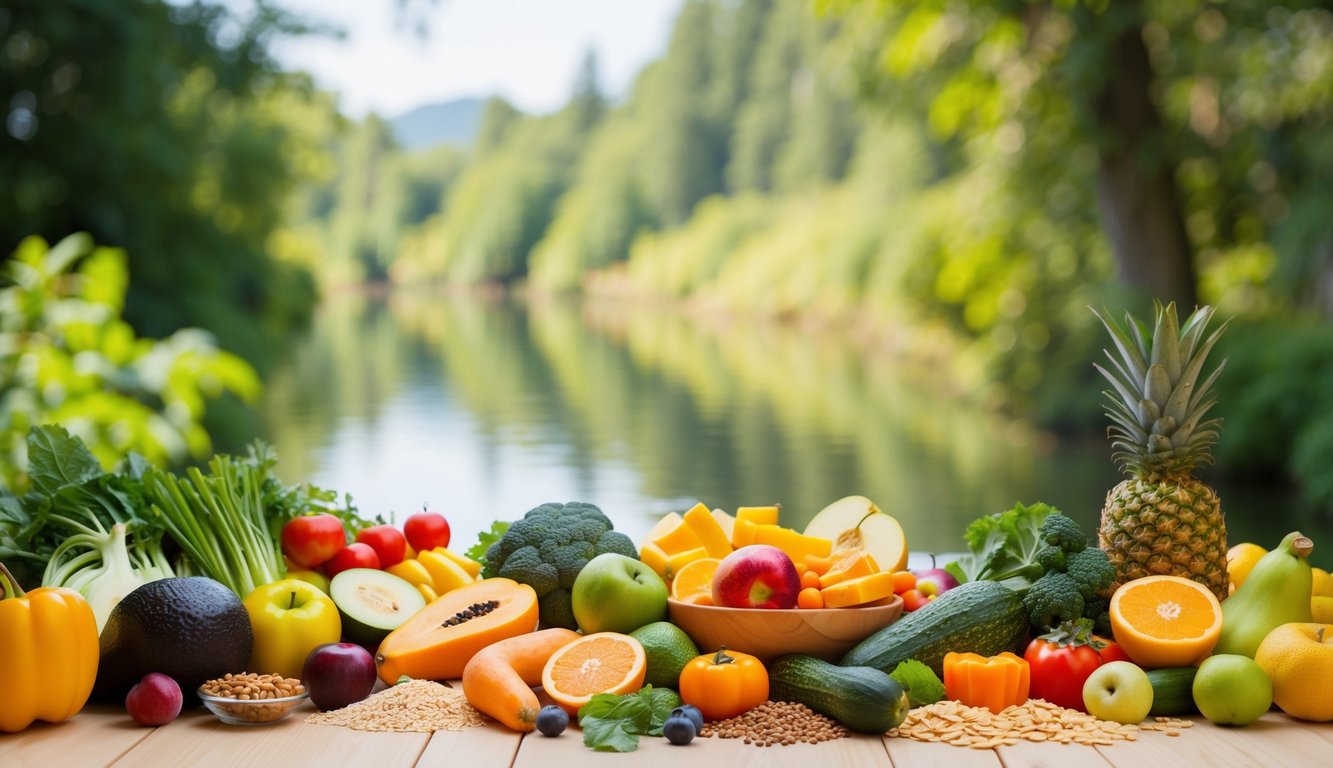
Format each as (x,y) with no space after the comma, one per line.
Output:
(1241,559)
(1321,583)
(668,649)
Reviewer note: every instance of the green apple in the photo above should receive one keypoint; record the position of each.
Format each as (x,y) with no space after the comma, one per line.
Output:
(289,618)
(615,593)
(1231,689)
(312,577)
(1118,691)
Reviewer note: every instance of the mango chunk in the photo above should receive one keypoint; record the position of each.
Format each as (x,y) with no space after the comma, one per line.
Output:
(668,564)
(709,532)
(679,537)
(759,515)
(796,545)
(849,566)
(859,591)
(744,533)
(725,521)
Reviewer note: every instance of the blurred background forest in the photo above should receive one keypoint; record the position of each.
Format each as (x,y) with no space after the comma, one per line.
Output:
(947,182)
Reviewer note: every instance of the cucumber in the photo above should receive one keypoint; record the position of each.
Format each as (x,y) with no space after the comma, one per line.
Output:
(1172,690)
(862,698)
(980,617)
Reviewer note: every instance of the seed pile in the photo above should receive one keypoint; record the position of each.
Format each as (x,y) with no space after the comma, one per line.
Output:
(471,612)
(1172,725)
(777,723)
(1034,720)
(251,687)
(420,705)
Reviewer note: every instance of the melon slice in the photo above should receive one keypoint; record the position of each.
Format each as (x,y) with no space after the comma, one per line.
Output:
(855,522)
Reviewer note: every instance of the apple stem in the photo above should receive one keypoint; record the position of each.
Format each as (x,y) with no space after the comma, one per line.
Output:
(293,602)
(721,656)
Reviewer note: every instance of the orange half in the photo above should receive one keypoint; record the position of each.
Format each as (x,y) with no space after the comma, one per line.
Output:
(603,662)
(694,580)
(1165,621)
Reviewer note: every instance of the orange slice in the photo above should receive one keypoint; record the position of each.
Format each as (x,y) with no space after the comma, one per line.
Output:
(695,578)
(1165,621)
(603,662)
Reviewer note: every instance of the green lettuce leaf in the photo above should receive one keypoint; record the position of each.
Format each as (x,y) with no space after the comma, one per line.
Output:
(920,682)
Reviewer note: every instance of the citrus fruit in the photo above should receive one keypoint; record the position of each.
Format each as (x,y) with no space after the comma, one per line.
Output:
(1321,583)
(1165,621)
(1240,561)
(603,662)
(695,579)
(667,649)
(1299,660)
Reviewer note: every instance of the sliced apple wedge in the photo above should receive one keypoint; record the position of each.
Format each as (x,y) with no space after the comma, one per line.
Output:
(855,522)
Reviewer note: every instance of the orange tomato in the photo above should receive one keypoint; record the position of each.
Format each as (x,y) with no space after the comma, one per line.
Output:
(724,684)
(810,597)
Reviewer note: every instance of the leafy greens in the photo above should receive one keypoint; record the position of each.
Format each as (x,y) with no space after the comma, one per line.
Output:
(1003,547)
(614,723)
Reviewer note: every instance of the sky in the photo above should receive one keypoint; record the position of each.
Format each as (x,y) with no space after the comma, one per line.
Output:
(528,51)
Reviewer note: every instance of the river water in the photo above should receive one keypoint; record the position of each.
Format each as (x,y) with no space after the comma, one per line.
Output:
(482,408)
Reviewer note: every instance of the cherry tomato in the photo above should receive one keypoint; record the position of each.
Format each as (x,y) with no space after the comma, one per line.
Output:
(387,541)
(312,540)
(426,531)
(358,555)
(1059,670)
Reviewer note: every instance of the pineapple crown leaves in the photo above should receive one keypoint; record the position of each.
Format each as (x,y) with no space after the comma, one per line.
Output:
(1156,410)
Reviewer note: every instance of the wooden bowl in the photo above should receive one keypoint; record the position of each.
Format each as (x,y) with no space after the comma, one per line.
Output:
(825,633)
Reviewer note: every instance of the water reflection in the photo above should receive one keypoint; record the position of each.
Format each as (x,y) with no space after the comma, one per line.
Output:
(484,407)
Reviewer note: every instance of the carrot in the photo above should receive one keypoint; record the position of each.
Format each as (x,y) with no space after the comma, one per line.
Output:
(498,680)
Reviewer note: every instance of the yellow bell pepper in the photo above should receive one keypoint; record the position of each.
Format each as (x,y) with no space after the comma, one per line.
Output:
(48,653)
(993,682)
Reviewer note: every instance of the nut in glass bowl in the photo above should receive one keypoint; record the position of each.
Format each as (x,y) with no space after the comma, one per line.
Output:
(251,699)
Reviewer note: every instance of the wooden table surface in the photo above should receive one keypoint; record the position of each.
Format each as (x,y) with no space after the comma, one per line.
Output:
(105,736)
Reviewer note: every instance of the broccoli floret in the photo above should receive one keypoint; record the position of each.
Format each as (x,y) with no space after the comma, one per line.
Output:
(526,566)
(1050,558)
(548,548)
(1060,530)
(617,542)
(557,610)
(1052,599)
(1091,570)
(1097,611)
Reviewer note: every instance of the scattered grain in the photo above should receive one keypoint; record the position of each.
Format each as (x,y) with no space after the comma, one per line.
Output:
(420,705)
(950,722)
(777,723)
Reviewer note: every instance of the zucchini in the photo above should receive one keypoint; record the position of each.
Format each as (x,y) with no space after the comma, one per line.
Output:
(1172,690)
(981,617)
(862,698)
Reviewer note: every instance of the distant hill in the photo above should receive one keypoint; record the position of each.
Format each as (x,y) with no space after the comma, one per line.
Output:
(448,122)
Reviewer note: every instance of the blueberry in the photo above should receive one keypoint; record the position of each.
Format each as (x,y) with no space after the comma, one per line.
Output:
(678,729)
(692,712)
(552,720)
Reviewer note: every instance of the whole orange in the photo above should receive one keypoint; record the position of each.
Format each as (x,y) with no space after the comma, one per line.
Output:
(1299,660)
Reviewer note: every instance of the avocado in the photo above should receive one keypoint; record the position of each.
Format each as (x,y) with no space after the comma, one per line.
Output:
(192,629)
(373,604)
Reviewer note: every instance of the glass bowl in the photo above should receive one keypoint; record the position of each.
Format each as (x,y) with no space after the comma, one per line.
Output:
(250,711)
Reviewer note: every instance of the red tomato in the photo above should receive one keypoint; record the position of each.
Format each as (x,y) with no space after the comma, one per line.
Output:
(311,540)
(426,531)
(358,555)
(1058,673)
(387,541)
(1111,651)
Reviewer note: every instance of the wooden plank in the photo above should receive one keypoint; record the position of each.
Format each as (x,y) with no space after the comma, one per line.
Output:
(909,753)
(95,737)
(1278,740)
(1032,754)
(538,751)
(199,739)
(492,745)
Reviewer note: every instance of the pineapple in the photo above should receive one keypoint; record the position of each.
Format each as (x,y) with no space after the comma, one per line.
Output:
(1161,519)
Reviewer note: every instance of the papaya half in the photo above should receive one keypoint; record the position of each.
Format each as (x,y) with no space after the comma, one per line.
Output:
(440,639)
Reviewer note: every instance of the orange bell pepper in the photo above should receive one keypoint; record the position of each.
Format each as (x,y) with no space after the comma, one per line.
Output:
(48,653)
(993,682)
(724,684)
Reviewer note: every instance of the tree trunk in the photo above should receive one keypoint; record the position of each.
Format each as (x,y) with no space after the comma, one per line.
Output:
(1136,190)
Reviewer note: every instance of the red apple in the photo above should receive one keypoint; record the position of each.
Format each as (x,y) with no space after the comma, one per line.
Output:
(934,581)
(756,576)
(914,599)
(310,541)
(338,674)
